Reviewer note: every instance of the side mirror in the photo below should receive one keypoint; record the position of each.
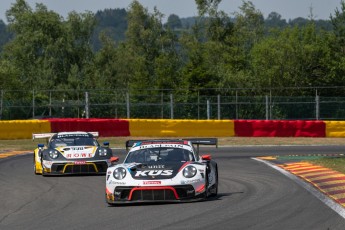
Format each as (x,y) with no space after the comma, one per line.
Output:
(206,157)
(106,143)
(114,159)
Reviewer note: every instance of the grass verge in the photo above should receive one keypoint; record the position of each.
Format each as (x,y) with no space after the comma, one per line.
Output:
(335,163)
(119,142)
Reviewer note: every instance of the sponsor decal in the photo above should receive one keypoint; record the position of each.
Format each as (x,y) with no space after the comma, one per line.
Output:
(117,193)
(116,182)
(80,162)
(190,191)
(77,152)
(77,148)
(47,162)
(148,146)
(154,173)
(156,166)
(78,155)
(190,181)
(72,135)
(152,182)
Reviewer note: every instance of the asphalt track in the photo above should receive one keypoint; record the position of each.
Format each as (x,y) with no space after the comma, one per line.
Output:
(251,196)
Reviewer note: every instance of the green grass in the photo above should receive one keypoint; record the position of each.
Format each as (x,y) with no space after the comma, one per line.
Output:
(119,142)
(335,163)
(30,145)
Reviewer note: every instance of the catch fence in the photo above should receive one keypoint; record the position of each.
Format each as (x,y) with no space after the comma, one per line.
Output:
(268,104)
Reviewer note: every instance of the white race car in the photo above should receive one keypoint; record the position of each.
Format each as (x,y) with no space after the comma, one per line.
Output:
(163,171)
(71,153)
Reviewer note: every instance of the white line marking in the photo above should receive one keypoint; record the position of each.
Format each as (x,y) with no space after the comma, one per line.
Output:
(325,199)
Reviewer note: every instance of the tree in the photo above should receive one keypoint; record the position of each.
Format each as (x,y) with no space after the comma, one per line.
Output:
(248,30)
(109,66)
(113,23)
(173,22)
(249,26)
(338,21)
(148,43)
(295,57)
(33,46)
(206,45)
(5,35)
(45,49)
(274,20)
(79,30)
(207,7)
(338,46)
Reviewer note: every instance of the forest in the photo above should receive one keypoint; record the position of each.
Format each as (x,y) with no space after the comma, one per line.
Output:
(133,49)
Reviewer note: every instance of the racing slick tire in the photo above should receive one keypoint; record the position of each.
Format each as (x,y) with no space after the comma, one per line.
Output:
(207,193)
(43,173)
(214,189)
(35,171)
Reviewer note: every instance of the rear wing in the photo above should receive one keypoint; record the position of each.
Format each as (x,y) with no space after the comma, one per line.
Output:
(194,141)
(42,135)
(204,141)
(49,135)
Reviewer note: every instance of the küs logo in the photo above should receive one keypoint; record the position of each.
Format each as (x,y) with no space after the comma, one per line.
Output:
(154,173)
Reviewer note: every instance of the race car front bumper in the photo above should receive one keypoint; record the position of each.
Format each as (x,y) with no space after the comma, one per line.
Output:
(133,194)
(65,168)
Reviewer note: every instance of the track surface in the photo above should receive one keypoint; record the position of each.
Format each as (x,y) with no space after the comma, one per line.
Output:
(251,196)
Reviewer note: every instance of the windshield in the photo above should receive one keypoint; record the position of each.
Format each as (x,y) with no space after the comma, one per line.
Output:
(75,141)
(151,155)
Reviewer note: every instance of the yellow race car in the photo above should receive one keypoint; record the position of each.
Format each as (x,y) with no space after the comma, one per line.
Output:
(71,153)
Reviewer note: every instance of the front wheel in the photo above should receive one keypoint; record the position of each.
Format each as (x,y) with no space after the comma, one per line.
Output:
(43,173)
(214,189)
(206,194)
(35,170)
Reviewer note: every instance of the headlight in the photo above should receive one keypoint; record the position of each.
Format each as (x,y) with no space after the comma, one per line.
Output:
(189,171)
(53,154)
(102,152)
(119,173)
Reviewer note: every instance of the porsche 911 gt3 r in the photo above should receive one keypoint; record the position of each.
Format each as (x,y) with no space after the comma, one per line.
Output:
(71,153)
(163,171)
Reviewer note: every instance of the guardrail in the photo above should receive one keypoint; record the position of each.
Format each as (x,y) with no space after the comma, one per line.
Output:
(23,129)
